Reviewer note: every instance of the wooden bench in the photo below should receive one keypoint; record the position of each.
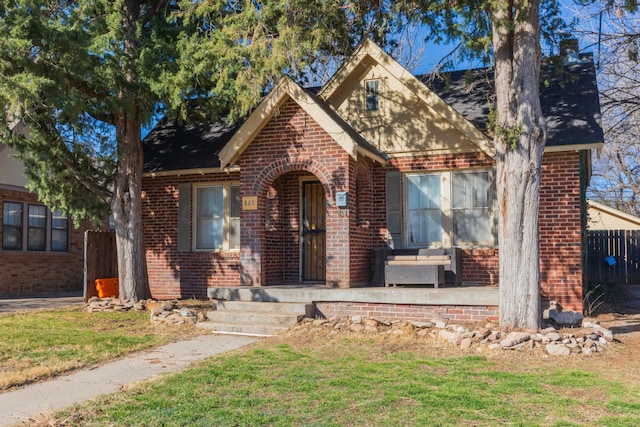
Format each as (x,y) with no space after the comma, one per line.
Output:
(422,267)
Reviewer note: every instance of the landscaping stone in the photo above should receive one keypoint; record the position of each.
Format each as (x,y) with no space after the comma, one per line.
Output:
(421,325)
(553,336)
(370,322)
(589,339)
(465,344)
(450,336)
(557,350)
(439,323)
(160,311)
(515,338)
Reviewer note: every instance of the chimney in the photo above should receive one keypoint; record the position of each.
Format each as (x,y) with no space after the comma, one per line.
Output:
(569,50)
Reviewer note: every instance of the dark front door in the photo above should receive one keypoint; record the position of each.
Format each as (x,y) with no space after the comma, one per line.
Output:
(313,231)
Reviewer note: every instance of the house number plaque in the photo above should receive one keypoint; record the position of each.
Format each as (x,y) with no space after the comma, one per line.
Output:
(250,203)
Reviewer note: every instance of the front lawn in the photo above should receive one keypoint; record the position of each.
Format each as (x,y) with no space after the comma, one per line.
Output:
(42,344)
(338,380)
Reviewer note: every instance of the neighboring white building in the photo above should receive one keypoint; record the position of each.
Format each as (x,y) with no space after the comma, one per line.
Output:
(602,217)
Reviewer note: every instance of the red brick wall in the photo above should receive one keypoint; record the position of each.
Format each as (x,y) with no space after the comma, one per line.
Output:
(408,311)
(292,146)
(174,274)
(560,227)
(292,142)
(31,272)
(362,235)
(560,231)
(479,266)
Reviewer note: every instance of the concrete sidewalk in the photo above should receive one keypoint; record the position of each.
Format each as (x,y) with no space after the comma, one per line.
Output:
(40,302)
(30,401)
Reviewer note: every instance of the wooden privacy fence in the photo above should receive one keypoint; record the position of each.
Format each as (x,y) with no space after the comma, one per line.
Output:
(613,256)
(100,259)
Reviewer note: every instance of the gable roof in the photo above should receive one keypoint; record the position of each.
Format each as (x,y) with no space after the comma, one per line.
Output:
(569,101)
(350,140)
(369,54)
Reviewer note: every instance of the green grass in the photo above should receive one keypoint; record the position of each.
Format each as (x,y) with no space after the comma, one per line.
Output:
(343,382)
(38,345)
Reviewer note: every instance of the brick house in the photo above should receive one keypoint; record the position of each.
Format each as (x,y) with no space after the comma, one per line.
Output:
(41,251)
(314,180)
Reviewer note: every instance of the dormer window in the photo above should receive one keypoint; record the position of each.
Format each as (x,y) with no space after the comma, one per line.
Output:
(371,95)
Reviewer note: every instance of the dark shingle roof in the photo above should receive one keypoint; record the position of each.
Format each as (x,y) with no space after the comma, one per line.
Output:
(569,102)
(568,97)
(170,146)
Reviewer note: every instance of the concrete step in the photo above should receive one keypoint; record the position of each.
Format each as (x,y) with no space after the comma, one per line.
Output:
(276,307)
(253,317)
(238,329)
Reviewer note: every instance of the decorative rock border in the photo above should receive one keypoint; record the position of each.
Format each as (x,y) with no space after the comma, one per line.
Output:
(590,338)
(168,312)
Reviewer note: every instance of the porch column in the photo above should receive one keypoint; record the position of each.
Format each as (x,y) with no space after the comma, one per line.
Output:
(338,256)
(251,234)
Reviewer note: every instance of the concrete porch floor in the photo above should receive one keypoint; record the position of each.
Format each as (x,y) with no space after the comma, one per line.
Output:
(459,296)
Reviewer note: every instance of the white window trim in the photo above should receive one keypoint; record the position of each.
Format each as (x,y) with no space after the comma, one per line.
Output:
(25,230)
(379,97)
(226,194)
(446,182)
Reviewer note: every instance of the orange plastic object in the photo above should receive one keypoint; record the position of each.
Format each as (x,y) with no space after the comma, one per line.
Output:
(107,288)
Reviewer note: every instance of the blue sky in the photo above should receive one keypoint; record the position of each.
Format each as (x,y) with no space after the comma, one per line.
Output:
(587,17)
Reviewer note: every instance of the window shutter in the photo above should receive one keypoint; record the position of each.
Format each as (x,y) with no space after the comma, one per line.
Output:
(184,217)
(394,209)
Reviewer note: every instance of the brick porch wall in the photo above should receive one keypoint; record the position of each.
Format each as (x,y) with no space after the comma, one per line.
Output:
(291,142)
(174,274)
(408,311)
(32,272)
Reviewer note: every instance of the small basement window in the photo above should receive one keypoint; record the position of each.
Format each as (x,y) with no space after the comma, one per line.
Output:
(372,92)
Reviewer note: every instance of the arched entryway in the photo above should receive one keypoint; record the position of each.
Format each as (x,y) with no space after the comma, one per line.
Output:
(292,236)
(294,240)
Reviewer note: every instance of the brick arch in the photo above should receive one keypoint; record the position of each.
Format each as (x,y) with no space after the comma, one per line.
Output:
(282,166)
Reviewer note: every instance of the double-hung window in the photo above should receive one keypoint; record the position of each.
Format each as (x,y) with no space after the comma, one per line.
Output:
(470,208)
(424,210)
(59,232)
(34,228)
(12,226)
(37,228)
(451,208)
(217,217)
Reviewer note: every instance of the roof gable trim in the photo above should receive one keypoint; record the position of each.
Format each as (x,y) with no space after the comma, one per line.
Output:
(368,52)
(284,90)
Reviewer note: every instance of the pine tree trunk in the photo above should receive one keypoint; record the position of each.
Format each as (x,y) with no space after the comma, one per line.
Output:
(127,194)
(520,138)
(127,212)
